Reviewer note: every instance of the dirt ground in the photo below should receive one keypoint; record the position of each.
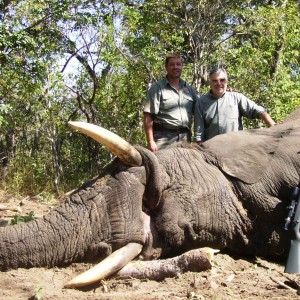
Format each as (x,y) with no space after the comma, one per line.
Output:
(229,278)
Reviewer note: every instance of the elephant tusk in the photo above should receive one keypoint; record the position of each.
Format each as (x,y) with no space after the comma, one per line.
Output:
(118,146)
(108,266)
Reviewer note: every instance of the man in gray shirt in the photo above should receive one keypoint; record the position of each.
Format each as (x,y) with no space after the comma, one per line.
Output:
(220,111)
(169,108)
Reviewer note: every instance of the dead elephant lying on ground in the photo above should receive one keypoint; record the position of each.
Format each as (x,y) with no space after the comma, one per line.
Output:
(231,192)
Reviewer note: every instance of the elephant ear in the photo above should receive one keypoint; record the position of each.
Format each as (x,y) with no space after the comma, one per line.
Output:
(247,154)
(244,154)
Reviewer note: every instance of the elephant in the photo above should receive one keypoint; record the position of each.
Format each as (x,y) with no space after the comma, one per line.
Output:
(231,192)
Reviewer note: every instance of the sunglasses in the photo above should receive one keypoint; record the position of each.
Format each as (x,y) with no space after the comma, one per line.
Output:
(222,80)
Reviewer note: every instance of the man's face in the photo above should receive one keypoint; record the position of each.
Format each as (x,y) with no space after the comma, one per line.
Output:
(218,83)
(174,68)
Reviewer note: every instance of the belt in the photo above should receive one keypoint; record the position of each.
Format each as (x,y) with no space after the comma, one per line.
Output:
(161,127)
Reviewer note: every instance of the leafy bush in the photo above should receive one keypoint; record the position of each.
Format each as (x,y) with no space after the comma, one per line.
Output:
(17,219)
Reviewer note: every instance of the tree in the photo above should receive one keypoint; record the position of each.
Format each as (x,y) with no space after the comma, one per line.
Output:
(263,56)
(94,61)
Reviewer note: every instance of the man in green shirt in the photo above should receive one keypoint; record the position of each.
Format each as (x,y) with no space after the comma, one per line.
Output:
(220,111)
(169,108)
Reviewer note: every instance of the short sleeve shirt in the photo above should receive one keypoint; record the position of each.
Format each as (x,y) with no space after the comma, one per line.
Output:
(215,116)
(169,106)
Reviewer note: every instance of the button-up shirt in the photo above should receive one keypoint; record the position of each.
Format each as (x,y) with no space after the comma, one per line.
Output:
(215,116)
(171,107)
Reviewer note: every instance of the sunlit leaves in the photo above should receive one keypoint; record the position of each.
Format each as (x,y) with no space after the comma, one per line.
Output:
(94,60)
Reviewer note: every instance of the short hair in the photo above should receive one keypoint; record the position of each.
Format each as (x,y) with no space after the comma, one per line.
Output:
(173,55)
(217,70)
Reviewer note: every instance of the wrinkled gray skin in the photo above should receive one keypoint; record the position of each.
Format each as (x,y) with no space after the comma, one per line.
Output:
(232,192)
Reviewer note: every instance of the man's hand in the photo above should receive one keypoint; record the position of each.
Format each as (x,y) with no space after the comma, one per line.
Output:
(152,146)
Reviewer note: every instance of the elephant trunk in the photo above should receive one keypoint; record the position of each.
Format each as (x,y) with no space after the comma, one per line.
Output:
(89,225)
(44,242)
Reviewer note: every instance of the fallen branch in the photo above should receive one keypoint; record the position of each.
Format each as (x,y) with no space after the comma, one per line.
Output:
(194,261)
(283,285)
(9,209)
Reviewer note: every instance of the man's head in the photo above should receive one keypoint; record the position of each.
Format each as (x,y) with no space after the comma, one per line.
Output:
(173,65)
(218,80)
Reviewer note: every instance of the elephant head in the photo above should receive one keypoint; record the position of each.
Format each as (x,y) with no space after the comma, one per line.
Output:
(230,193)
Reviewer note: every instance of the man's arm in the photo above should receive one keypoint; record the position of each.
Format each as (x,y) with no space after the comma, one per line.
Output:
(267,119)
(148,127)
(198,124)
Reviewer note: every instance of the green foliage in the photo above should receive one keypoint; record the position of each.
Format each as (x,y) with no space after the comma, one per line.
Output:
(261,59)
(17,219)
(38,295)
(4,110)
(94,60)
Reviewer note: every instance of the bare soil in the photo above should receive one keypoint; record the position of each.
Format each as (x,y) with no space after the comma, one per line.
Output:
(229,278)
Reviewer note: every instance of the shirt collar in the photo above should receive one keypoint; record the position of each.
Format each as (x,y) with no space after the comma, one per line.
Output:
(216,98)
(181,81)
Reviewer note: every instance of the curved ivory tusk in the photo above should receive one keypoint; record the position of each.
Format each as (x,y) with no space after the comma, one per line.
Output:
(127,153)
(108,266)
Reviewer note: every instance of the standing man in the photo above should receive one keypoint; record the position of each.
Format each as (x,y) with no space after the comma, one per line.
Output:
(169,108)
(220,111)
